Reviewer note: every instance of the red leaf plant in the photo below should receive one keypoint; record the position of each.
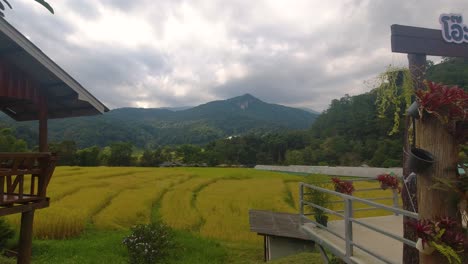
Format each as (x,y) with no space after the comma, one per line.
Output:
(389,180)
(341,186)
(444,234)
(448,103)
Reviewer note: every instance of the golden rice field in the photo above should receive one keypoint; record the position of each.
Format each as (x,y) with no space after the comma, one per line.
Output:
(213,202)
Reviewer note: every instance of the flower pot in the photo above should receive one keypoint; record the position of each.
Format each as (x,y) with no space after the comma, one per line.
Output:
(424,248)
(413,110)
(321,219)
(420,160)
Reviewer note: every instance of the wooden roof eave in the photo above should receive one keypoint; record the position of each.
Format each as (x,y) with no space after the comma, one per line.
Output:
(34,53)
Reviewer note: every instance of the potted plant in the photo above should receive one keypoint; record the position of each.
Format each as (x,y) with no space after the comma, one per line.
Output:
(389,180)
(449,104)
(342,186)
(443,235)
(321,199)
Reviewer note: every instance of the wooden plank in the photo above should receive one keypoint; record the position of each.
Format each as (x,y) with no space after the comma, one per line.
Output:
(416,40)
(25,207)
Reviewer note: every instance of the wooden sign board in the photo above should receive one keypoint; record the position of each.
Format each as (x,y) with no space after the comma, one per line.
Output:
(425,41)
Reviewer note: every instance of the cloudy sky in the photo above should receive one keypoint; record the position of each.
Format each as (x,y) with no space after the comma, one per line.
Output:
(157,53)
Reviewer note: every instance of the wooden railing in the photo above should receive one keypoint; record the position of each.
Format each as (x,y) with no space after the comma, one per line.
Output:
(24,177)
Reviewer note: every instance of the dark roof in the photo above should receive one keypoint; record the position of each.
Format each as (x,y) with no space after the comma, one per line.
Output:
(65,96)
(276,224)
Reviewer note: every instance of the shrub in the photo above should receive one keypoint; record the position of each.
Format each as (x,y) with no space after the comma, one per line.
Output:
(321,199)
(6,233)
(150,243)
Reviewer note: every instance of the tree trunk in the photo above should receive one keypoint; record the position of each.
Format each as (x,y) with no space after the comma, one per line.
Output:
(432,136)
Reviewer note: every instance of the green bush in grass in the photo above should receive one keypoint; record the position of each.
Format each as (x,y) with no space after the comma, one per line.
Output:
(149,243)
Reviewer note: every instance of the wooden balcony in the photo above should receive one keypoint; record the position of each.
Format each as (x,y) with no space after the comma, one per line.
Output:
(23,181)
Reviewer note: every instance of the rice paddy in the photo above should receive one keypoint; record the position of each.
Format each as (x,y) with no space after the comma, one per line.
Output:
(210,202)
(213,202)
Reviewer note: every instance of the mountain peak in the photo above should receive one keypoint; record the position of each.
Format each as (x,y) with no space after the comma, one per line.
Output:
(246,96)
(244,101)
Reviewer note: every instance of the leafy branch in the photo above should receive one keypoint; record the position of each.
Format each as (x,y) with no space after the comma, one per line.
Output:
(41,2)
(394,91)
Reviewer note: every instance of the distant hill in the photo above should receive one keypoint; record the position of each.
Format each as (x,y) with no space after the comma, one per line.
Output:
(155,126)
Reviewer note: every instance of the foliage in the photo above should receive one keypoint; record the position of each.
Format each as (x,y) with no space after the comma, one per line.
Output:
(448,104)
(321,199)
(120,154)
(151,158)
(66,151)
(457,187)
(343,186)
(41,2)
(6,233)
(444,235)
(150,243)
(394,91)
(9,143)
(88,156)
(452,71)
(389,180)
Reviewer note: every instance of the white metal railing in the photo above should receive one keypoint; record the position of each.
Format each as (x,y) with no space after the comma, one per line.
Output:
(348,216)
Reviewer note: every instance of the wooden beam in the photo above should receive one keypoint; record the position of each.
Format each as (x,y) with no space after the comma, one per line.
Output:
(416,40)
(23,208)
(25,239)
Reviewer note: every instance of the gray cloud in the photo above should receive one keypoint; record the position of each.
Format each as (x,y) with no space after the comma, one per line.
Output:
(172,53)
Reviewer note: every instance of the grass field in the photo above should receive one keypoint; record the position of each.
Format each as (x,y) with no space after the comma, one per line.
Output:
(209,206)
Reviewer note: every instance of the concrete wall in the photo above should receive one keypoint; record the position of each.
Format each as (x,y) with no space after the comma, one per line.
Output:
(367,172)
(278,247)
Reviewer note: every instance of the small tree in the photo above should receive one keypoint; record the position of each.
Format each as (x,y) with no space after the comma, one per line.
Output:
(120,154)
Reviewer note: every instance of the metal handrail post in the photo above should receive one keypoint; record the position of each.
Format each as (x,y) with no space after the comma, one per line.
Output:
(301,203)
(348,227)
(395,200)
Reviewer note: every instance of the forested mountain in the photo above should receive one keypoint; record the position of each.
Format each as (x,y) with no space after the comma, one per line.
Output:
(350,132)
(452,71)
(153,127)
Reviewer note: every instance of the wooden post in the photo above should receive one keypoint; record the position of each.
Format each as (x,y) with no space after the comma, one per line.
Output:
(432,136)
(27,218)
(25,240)
(416,65)
(43,145)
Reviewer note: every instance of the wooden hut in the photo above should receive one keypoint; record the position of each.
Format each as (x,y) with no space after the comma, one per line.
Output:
(33,87)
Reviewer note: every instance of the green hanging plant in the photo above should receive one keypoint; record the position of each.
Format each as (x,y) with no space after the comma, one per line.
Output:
(394,91)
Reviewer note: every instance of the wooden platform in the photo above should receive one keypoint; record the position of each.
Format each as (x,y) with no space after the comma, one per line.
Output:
(276,224)
(10,199)
(387,247)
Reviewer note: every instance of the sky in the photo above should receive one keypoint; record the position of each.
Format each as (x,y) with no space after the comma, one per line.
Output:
(170,53)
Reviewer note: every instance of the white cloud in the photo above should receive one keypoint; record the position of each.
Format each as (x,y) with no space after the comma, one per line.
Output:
(175,53)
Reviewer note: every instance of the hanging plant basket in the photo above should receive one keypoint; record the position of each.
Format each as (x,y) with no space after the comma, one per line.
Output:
(420,160)
(424,248)
(413,110)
